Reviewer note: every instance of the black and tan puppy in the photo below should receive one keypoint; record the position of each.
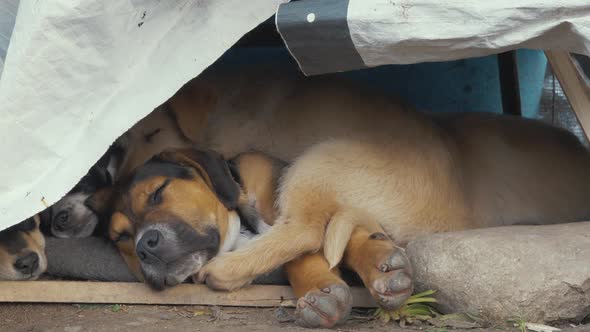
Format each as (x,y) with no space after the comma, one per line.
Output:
(22,251)
(79,213)
(184,207)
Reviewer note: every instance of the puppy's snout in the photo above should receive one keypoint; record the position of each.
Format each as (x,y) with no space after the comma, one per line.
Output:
(149,245)
(27,264)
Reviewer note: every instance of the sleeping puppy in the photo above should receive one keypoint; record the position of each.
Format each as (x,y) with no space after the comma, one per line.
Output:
(359,198)
(78,213)
(183,207)
(22,251)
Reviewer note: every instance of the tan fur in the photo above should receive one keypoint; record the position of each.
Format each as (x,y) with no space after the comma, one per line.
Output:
(260,173)
(410,173)
(310,272)
(367,250)
(121,225)
(191,123)
(420,177)
(166,135)
(338,233)
(175,124)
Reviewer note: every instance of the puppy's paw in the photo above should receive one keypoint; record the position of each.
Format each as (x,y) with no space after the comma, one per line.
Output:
(219,275)
(393,284)
(324,308)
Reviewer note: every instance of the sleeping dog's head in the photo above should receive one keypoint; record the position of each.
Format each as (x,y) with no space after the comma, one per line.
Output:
(175,213)
(22,251)
(77,214)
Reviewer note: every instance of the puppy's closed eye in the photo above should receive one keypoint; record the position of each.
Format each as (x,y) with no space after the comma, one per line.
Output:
(155,198)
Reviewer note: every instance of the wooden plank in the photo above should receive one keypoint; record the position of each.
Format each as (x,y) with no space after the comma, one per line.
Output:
(138,293)
(574,86)
(509,83)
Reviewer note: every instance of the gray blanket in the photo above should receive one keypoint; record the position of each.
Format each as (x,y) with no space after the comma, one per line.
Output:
(96,259)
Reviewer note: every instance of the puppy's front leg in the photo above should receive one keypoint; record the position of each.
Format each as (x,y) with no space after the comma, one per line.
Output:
(287,240)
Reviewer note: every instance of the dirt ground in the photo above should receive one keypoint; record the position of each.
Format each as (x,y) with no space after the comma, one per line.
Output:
(82,318)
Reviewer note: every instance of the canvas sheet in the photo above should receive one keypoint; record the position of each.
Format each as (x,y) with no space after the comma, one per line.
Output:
(337,35)
(78,73)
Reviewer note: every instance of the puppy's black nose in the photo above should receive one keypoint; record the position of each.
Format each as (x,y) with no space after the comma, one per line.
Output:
(27,264)
(148,245)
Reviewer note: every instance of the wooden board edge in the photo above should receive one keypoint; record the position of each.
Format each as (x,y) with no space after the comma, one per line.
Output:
(138,293)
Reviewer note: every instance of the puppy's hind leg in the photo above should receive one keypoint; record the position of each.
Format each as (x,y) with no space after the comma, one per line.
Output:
(383,267)
(324,298)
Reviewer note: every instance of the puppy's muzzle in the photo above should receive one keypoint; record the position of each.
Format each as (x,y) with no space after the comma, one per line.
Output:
(169,253)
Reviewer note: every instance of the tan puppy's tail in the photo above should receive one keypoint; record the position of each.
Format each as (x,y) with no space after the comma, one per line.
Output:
(338,233)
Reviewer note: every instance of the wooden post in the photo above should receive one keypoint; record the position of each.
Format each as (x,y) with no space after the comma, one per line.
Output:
(509,83)
(574,85)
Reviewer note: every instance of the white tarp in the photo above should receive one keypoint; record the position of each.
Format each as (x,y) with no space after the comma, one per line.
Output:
(78,73)
(336,35)
(7,16)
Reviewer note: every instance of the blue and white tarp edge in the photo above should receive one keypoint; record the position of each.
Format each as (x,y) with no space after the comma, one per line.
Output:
(78,73)
(338,35)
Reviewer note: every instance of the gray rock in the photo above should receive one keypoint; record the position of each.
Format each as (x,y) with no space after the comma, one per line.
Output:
(538,273)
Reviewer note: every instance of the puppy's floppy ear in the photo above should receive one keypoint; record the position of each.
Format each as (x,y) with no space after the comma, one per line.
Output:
(213,169)
(44,220)
(100,176)
(99,201)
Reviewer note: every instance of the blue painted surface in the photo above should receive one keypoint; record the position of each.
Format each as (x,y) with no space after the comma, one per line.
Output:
(463,85)
(532,66)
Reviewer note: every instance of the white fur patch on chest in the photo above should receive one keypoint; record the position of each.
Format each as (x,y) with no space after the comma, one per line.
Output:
(233,232)
(238,236)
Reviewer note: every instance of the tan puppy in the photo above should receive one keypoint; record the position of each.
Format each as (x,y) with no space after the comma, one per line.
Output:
(420,176)
(278,113)
(153,134)
(281,115)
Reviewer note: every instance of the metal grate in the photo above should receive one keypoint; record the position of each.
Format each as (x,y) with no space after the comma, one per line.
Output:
(555,108)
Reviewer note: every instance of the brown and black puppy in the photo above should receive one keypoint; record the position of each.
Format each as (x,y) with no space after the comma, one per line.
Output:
(22,251)
(79,213)
(183,207)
